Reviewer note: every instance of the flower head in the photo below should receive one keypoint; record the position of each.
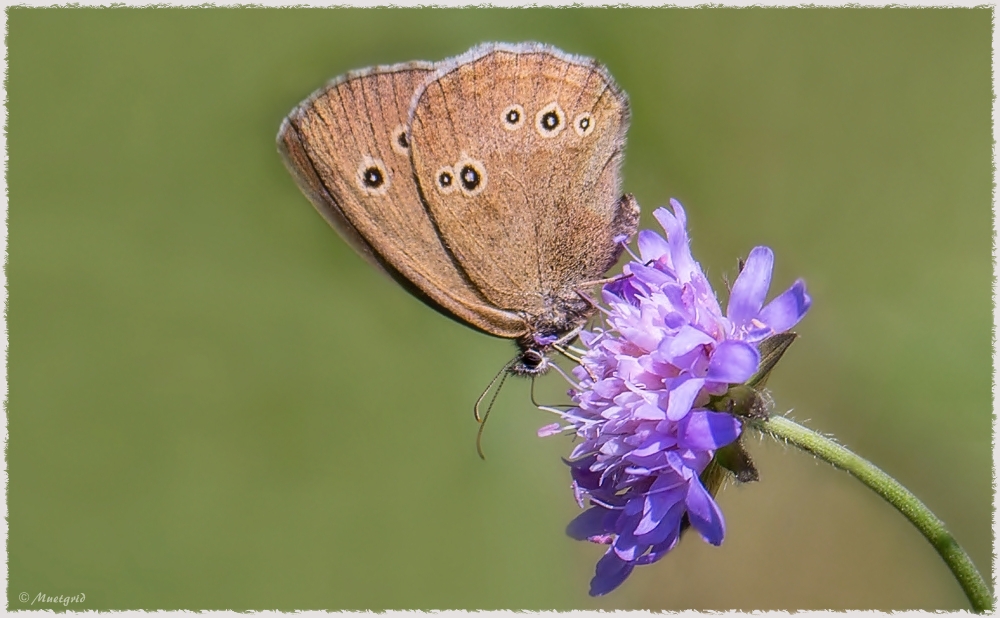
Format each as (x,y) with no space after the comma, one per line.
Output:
(644,393)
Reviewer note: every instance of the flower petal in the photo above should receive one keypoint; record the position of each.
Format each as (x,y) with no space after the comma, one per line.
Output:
(674,225)
(786,310)
(648,412)
(704,514)
(658,507)
(661,549)
(651,246)
(733,362)
(686,339)
(707,431)
(750,288)
(682,397)
(653,276)
(610,573)
(653,445)
(592,522)
(626,545)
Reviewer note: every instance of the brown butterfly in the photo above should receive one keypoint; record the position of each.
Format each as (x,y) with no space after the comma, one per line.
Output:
(488,185)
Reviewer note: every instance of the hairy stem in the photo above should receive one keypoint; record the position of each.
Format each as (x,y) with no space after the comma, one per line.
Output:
(926,522)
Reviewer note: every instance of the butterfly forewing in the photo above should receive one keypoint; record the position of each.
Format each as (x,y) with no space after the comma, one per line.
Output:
(348,148)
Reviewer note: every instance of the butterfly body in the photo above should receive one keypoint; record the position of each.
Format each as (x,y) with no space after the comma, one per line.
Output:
(488,185)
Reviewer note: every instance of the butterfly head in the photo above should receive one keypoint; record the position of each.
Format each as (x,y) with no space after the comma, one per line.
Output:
(536,347)
(532,361)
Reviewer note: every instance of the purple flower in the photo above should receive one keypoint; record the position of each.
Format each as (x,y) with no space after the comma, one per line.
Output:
(643,395)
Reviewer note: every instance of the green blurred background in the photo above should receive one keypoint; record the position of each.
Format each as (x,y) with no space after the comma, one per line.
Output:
(214,403)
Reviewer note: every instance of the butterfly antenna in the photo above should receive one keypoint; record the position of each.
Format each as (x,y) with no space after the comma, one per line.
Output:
(503,370)
(482,423)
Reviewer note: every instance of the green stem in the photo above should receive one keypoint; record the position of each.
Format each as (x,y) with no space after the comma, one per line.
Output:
(931,527)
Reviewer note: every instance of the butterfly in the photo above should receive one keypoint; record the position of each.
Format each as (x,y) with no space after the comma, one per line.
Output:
(488,184)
